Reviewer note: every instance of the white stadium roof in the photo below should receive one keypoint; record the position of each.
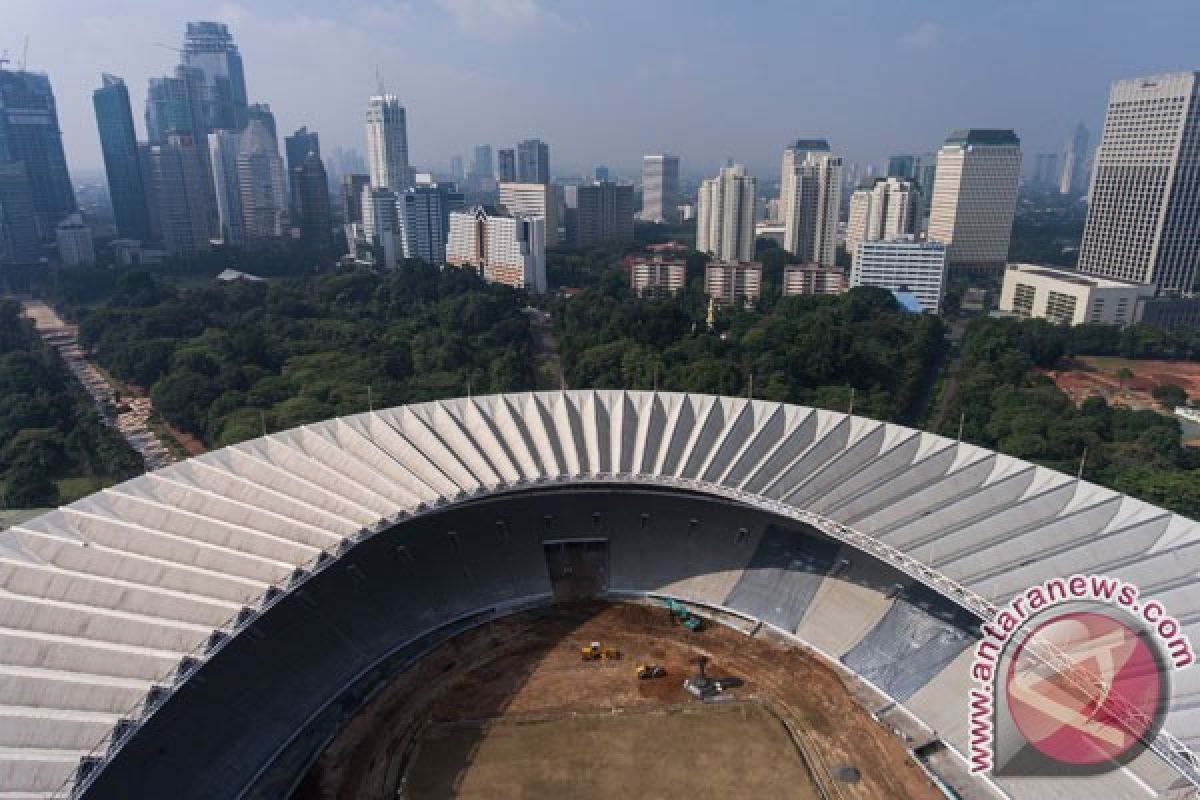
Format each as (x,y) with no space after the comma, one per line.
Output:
(100,600)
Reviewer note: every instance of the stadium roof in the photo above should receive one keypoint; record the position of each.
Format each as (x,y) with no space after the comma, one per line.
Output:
(113,603)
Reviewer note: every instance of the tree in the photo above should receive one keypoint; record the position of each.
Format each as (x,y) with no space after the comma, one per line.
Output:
(1123,375)
(1170,395)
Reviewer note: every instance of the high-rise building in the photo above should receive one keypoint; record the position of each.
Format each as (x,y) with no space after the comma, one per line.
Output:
(506,171)
(902,166)
(660,188)
(481,165)
(381,225)
(604,212)
(299,145)
(118,144)
(310,199)
(180,194)
(504,249)
(457,170)
(352,197)
(387,144)
(725,215)
(261,182)
(732,283)
(903,264)
(423,219)
(261,112)
(1073,179)
(883,210)
(224,147)
(173,105)
(920,170)
(801,279)
(19,238)
(1143,221)
(209,47)
(74,240)
(975,197)
(533,200)
(533,161)
(810,191)
(29,134)
(1045,171)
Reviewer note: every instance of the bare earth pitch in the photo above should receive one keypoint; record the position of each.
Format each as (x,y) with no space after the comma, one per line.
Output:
(510,710)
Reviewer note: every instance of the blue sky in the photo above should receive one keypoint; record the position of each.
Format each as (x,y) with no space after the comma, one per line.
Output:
(604,82)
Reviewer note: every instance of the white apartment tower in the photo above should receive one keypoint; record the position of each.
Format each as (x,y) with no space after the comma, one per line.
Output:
(975,197)
(884,210)
(533,200)
(504,249)
(810,198)
(903,264)
(660,188)
(725,216)
(1143,220)
(387,143)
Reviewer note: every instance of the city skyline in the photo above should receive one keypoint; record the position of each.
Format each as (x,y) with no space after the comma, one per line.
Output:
(962,60)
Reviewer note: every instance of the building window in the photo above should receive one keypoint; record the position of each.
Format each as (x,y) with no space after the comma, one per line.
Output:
(1060,308)
(1023,300)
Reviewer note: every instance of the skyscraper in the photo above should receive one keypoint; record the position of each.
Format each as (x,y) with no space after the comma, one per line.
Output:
(660,188)
(179,189)
(223,150)
(1073,179)
(173,105)
(387,143)
(533,161)
(352,192)
(29,134)
(481,165)
(1045,171)
(725,215)
(381,225)
(507,166)
(296,148)
(261,183)
(810,196)
(310,197)
(457,170)
(19,239)
(884,210)
(262,113)
(209,47)
(975,197)
(118,143)
(533,200)
(1143,221)
(423,219)
(605,213)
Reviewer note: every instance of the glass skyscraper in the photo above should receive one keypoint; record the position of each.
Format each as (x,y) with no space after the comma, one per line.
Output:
(118,142)
(29,134)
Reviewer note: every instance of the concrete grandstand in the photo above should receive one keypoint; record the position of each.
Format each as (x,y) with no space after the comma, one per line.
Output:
(202,630)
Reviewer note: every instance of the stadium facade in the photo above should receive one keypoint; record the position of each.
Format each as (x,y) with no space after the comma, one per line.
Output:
(203,630)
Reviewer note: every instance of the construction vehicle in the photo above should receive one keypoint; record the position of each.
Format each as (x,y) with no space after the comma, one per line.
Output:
(680,612)
(595,652)
(649,671)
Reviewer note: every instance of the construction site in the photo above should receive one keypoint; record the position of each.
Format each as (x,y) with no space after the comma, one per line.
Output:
(598,700)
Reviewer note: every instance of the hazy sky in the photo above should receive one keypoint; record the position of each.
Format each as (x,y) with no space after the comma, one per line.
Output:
(605,81)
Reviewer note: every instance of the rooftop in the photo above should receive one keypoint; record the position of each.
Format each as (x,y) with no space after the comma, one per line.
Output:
(994,136)
(810,144)
(1073,276)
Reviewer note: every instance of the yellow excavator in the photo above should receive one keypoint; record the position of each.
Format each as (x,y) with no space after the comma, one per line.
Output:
(596,652)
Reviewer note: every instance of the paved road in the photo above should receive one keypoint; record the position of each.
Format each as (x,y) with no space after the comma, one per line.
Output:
(131,422)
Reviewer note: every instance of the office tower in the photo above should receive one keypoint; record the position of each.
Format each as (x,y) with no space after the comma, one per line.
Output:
(901,166)
(800,279)
(74,240)
(352,194)
(180,193)
(261,112)
(903,264)
(731,283)
(261,182)
(209,48)
(533,200)
(810,191)
(310,199)
(173,105)
(297,147)
(506,166)
(502,248)
(224,147)
(975,197)
(387,143)
(600,174)
(345,162)
(29,135)
(1073,179)
(604,213)
(457,171)
(533,161)
(20,242)
(1045,171)
(725,216)
(481,165)
(423,220)
(118,144)
(883,210)
(1143,221)
(381,225)
(660,188)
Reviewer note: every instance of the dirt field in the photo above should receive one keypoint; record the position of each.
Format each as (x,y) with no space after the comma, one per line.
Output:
(511,710)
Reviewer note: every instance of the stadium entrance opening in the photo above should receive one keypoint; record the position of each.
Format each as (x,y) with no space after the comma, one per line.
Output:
(578,568)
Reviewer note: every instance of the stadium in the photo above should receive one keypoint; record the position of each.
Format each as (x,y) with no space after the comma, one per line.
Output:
(393,604)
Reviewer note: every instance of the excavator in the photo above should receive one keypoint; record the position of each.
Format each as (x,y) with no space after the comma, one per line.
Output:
(596,652)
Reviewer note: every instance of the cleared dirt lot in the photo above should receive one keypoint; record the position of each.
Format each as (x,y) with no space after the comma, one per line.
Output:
(594,727)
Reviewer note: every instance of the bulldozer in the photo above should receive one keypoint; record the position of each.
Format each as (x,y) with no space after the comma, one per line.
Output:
(649,671)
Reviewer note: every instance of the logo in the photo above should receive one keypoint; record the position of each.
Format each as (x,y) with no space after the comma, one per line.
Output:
(1073,678)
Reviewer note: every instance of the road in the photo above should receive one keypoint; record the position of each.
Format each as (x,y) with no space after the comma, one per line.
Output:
(132,422)
(547,368)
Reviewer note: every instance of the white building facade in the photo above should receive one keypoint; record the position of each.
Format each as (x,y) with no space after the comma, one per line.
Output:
(810,197)
(502,248)
(534,200)
(387,143)
(1068,297)
(885,210)
(660,188)
(916,267)
(801,279)
(725,215)
(1143,220)
(733,283)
